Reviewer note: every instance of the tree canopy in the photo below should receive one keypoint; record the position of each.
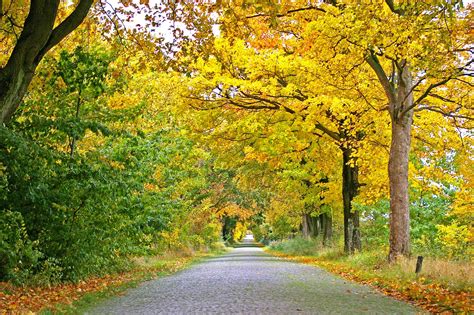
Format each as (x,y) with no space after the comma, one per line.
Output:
(137,127)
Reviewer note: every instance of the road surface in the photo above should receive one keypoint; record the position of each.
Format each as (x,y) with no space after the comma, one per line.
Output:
(249,281)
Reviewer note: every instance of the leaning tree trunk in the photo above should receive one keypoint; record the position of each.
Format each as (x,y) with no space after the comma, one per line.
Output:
(37,37)
(350,186)
(401,113)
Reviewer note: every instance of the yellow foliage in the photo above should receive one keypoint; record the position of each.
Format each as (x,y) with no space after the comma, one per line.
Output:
(456,239)
(240,230)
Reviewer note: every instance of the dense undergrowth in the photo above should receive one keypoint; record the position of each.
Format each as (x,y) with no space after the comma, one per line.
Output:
(86,185)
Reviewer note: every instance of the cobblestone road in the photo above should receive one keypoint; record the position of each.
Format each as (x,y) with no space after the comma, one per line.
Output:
(249,281)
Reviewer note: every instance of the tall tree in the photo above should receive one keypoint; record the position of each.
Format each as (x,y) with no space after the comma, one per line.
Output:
(414,49)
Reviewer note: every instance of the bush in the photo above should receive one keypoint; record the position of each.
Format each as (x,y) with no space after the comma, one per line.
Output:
(18,255)
(297,246)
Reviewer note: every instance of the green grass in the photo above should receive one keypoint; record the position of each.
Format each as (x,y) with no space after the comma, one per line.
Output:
(455,275)
(297,246)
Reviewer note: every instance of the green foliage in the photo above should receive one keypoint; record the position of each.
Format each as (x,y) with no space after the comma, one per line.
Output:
(297,246)
(434,232)
(374,224)
(281,228)
(426,213)
(18,255)
(67,216)
(65,203)
(260,233)
(83,71)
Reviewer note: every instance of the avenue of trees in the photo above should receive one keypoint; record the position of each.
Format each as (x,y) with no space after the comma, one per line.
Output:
(135,128)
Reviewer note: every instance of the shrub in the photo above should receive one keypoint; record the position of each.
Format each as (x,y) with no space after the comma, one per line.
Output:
(18,255)
(297,246)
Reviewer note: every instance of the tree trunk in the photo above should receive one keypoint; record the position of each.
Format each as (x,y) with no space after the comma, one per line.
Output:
(36,39)
(305,226)
(350,185)
(399,91)
(315,226)
(310,227)
(401,118)
(72,144)
(326,227)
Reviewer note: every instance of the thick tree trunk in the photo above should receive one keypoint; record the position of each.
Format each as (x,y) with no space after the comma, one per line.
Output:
(18,72)
(350,186)
(399,91)
(402,117)
(399,199)
(36,39)
(13,86)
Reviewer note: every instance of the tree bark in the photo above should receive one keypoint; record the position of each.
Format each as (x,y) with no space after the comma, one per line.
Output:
(401,119)
(350,186)
(401,104)
(310,227)
(326,227)
(36,39)
(315,226)
(305,226)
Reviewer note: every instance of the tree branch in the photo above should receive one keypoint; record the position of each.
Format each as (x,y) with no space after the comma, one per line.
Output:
(311,7)
(440,111)
(373,61)
(330,133)
(391,5)
(425,94)
(67,26)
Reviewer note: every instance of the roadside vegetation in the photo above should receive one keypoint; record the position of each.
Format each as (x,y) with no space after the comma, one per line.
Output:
(338,130)
(442,285)
(77,297)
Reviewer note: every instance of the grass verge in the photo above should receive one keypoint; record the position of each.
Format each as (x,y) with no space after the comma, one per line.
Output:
(442,286)
(75,298)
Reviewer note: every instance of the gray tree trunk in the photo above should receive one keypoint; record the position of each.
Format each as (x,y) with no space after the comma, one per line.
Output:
(399,91)
(398,166)
(305,226)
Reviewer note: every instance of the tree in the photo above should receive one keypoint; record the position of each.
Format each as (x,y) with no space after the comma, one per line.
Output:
(39,34)
(302,109)
(414,49)
(412,80)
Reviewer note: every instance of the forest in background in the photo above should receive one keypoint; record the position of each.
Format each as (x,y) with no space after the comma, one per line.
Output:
(283,122)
